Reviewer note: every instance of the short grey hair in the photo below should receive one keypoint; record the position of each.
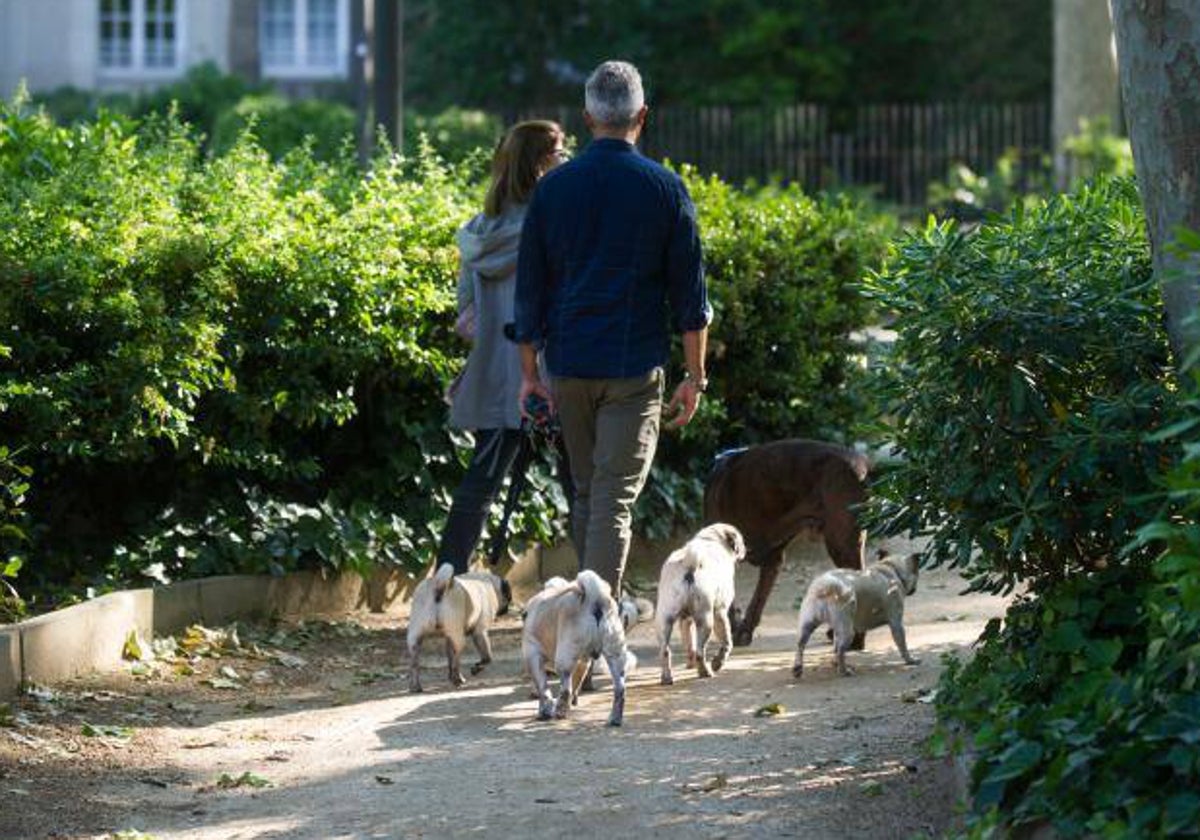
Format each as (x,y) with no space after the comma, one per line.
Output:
(613,94)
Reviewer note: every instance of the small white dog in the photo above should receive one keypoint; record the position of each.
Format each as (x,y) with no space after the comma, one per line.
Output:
(854,602)
(455,606)
(566,626)
(696,587)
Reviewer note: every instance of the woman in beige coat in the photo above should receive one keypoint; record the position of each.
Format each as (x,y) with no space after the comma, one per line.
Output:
(484,398)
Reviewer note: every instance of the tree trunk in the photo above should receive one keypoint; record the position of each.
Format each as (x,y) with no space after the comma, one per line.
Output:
(1085,73)
(1158,50)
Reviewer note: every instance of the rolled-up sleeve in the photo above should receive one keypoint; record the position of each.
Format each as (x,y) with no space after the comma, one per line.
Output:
(533,277)
(690,309)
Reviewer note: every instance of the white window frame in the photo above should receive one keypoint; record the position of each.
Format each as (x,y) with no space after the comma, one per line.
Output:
(300,69)
(138,69)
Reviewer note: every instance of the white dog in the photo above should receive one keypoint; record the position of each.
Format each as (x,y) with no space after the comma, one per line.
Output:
(455,606)
(566,626)
(696,587)
(854,602)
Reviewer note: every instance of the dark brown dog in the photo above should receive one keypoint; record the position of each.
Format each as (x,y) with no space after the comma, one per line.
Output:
(774,491)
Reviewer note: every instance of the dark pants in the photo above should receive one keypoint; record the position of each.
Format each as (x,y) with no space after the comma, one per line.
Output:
(494,452)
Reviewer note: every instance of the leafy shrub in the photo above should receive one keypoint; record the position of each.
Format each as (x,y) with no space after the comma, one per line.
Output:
(456,134)
(1097,151)
(235,363)
(199,99)
(1084,707)
(783,270)
(970,196)
(14,483)
(280,125)
(184,330)
(1030,359)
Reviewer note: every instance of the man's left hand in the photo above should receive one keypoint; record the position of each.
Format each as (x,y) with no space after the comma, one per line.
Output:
(683,405)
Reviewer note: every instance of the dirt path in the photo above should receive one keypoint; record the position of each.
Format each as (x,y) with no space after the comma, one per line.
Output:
(345,753)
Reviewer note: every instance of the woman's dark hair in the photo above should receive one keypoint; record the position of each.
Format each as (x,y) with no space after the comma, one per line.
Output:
(518,163)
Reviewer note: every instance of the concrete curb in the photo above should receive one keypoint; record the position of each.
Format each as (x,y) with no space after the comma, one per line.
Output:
(90,637)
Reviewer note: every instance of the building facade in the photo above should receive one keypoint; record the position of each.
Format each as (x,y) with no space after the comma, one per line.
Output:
(126,45)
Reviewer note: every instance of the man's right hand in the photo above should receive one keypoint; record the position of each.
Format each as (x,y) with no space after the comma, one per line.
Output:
(531,387)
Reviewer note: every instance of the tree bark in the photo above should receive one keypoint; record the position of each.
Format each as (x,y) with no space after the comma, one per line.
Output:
(1085,73)
(1158,51)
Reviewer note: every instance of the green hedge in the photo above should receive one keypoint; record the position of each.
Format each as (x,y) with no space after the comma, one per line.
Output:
(784,278)
(1035,410)
(194,340)
(1029,361)
(235,363)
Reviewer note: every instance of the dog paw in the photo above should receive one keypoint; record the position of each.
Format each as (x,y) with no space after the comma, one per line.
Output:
(458,681)
(561,710)
(615,722)
(666,679)
(545,714)
(718,663)
(415,689)
(702,670)
(912,660)
(797,671)
(477,668)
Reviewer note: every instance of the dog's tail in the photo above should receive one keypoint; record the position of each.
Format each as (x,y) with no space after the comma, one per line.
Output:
(691,562)
(442,581)
(595,589)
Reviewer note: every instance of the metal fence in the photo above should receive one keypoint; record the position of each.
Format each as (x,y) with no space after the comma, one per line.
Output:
(894,149)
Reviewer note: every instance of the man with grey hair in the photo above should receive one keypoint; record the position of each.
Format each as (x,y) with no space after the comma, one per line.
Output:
(609,262)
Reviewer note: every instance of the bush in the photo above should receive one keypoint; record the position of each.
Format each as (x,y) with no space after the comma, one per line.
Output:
(213,341)
(14,483)
(235,363)
(281,125)
(199,99)
(783,277)
(1030,359)
(1084,707)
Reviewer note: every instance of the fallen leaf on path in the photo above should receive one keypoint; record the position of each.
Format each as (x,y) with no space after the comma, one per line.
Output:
(247,779)
(871,788)
(769,710)
(715,782)
(105,731)
(134,647)
(919,695)
(951,617)
(384,780)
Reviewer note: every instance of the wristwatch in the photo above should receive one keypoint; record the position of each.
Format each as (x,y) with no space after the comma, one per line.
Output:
(701,381)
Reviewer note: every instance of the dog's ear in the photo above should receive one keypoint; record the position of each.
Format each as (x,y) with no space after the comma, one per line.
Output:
(735,542)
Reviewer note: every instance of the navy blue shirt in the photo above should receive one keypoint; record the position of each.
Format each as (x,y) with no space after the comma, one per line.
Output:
(609,245)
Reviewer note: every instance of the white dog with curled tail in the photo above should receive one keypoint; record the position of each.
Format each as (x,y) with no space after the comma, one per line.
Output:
(455,606)
(695,587)
(567,626)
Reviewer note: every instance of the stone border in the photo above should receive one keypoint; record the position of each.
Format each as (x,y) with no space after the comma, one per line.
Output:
(89,637)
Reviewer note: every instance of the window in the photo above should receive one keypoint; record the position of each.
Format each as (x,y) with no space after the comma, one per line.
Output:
(303,38)
(140,37)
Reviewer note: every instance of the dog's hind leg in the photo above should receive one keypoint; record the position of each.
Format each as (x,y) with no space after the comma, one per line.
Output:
(704,629)
(845,542)
(454,646)
(541,686)
(687,629)
(665,625)
(483,644)
(414,661)
(743,634)
(808,623)
(724,638)
(616,668)
(843,640)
